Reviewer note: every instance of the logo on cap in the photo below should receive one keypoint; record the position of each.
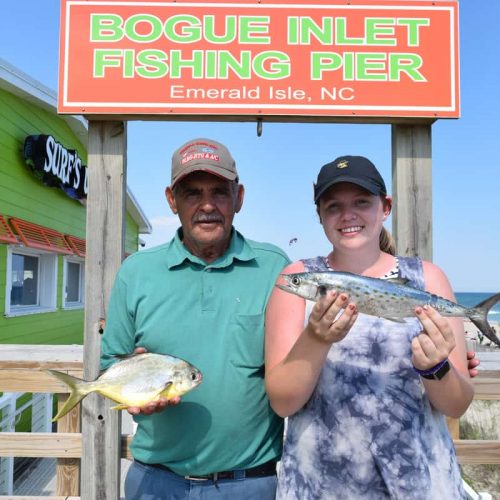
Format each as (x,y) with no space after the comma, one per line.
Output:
(187,157)
(343,164)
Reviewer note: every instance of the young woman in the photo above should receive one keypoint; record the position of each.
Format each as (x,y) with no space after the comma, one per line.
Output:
(364,422)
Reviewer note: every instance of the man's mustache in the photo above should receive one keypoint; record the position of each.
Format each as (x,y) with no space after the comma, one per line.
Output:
(207,218)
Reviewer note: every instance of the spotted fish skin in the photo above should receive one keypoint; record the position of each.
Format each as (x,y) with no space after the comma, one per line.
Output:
(134,381)
(392,299)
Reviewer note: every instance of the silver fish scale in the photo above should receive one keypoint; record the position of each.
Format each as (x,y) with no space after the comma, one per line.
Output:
(391,299)
(382,298)
(144,374)
(135,381)
(137,365)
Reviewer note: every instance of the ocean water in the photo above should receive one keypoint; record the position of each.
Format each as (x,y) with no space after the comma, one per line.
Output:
(470,299)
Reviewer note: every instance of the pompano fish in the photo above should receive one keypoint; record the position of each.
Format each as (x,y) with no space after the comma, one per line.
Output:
(391,299)
(135,381)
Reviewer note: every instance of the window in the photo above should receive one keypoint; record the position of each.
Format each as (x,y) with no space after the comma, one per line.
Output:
(24,291)
(31,282)
(74,280)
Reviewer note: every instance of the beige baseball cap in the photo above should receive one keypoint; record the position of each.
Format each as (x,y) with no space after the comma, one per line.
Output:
(204,155)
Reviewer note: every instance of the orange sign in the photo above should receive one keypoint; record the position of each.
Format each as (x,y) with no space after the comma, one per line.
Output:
(326,59)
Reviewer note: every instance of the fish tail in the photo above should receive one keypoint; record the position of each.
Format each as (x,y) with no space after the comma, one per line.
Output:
(79,389)
(479,314)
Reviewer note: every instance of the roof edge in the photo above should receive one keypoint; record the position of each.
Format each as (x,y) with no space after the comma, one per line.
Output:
(22,85)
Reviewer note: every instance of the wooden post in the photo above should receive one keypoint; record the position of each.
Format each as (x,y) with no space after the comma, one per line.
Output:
(68,469)
(100,474)
(453,427)
(412,199)
(412,189)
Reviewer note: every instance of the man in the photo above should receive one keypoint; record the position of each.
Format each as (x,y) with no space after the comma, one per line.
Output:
(201,297)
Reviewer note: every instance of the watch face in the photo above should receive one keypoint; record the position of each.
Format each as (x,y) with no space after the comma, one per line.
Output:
(440,373)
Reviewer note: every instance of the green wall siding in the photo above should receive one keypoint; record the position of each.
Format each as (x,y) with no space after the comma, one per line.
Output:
(131,235)
(23,196)
(61,327)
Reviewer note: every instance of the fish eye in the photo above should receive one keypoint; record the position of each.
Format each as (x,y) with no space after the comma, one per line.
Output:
(295,281)
(193,375)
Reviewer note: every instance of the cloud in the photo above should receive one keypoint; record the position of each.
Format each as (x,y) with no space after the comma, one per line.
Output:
(162,221)
(163,229)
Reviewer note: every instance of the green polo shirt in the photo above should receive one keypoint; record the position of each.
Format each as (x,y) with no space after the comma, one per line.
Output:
(169,301)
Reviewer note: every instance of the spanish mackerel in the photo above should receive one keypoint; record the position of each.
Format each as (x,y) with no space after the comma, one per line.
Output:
(392,298)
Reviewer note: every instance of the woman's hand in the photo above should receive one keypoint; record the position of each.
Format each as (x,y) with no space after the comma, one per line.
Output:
(152,406)
(323,322)
(436,341)
(442,338)
(472,364)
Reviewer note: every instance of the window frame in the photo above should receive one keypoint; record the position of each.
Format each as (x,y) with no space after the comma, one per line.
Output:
(74,260)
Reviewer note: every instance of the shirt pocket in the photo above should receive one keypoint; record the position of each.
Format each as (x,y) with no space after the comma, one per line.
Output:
(247,337)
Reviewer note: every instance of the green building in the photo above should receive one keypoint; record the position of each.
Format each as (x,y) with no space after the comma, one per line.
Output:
(42,215)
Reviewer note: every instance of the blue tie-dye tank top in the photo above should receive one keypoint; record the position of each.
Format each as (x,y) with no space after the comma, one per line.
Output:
(368,430)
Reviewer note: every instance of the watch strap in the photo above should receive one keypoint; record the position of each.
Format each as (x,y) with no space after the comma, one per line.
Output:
(439,374)
(436,372)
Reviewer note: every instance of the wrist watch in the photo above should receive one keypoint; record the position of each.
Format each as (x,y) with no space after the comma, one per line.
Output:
(439,373)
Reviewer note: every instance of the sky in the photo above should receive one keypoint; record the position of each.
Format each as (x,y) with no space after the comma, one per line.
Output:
(278,169)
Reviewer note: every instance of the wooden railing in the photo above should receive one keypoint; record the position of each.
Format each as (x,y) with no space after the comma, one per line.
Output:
(487,387)
(22,370)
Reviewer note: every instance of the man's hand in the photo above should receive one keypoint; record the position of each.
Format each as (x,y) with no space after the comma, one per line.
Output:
(152,406)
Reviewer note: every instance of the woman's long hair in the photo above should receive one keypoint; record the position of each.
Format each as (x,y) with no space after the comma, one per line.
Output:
(386,242)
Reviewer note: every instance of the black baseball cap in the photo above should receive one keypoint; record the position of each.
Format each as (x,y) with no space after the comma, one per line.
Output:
(354,169)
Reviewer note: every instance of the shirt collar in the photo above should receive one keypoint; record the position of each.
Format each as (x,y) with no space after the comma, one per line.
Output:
(238,249)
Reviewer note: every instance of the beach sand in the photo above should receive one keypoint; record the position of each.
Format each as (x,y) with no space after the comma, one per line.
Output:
(476,341)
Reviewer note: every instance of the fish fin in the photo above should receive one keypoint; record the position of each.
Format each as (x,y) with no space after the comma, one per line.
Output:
(79,389)
(397,280)
(119,407)
(479,314)
(129,355)
(165,392)
(396,320)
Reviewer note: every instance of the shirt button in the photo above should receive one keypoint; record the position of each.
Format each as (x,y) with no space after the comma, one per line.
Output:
(209,270)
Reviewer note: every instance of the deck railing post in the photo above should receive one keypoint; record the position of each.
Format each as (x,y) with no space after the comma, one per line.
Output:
(100,472)
(7,463)
(68,469)
(412,189)
(41,412)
